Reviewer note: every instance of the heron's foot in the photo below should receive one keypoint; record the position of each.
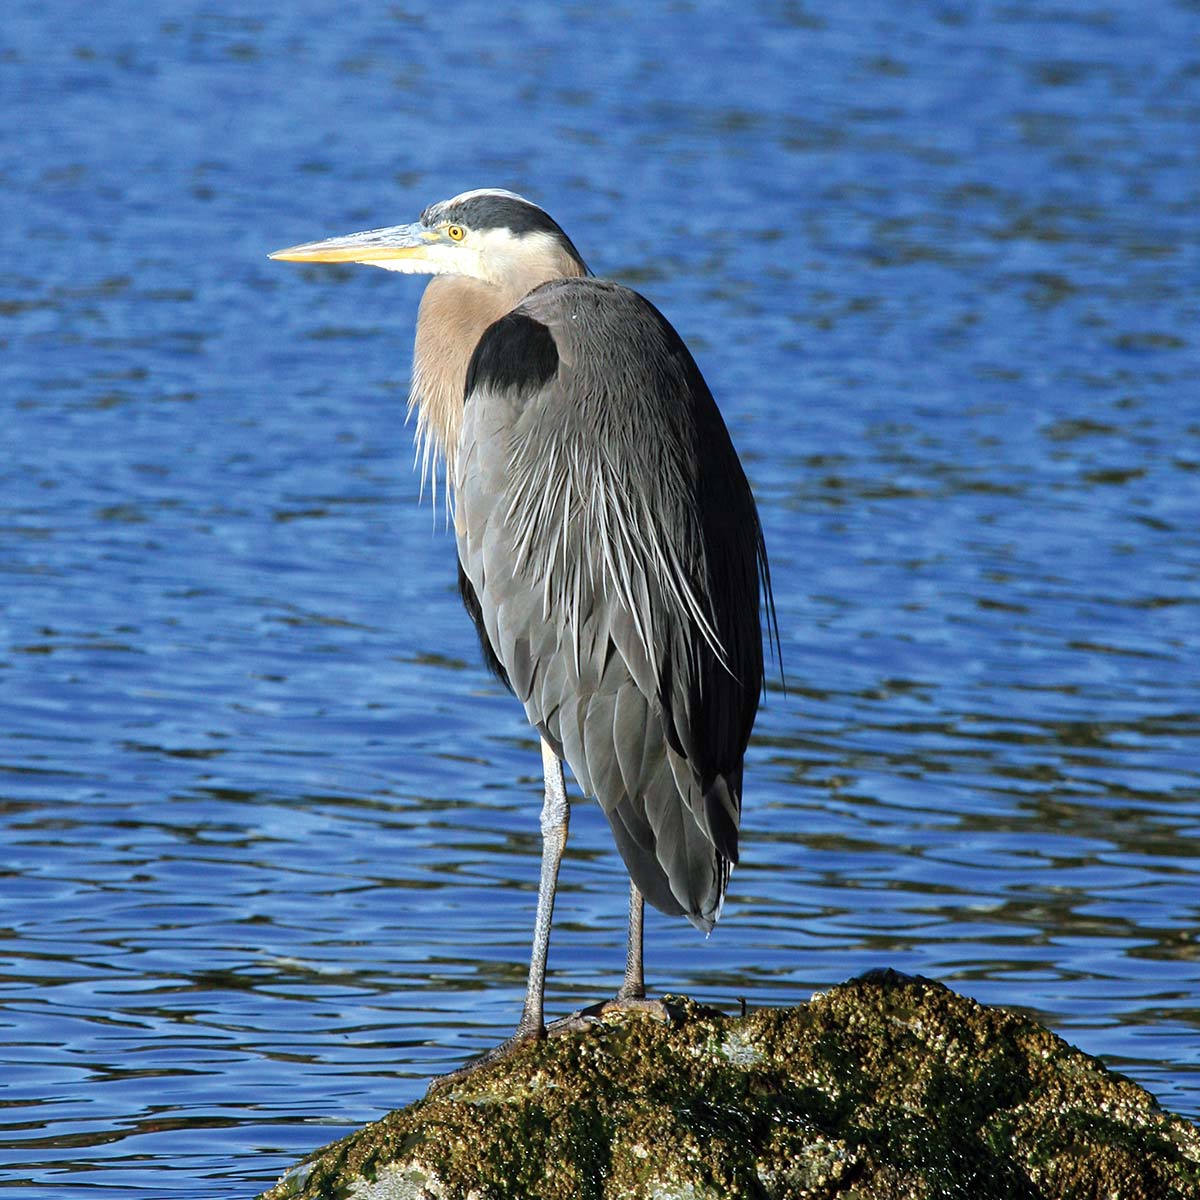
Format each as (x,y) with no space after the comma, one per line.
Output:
(660,1010)
(594,1014)
(525,1033)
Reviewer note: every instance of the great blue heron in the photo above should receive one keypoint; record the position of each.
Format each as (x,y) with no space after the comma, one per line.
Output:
(610,552)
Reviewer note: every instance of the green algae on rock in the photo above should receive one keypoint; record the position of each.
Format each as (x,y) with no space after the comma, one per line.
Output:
(884,1088)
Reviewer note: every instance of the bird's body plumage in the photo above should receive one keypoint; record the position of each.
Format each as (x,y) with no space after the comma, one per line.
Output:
(610,552)
(610,537)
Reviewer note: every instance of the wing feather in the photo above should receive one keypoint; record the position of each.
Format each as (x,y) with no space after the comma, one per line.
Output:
(630,722)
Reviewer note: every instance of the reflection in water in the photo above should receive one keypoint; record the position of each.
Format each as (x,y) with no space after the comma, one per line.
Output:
(269,833)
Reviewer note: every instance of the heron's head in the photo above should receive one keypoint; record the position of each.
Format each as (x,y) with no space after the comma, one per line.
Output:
(491,235)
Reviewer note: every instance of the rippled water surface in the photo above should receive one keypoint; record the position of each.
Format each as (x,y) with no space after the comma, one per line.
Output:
(268,832)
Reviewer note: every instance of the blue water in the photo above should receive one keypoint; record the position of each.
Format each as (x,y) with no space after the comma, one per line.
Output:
(268,832)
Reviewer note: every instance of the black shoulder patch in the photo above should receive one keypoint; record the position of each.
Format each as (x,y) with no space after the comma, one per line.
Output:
(515,352)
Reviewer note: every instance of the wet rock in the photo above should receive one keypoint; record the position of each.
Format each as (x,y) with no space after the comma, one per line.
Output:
(885,1088)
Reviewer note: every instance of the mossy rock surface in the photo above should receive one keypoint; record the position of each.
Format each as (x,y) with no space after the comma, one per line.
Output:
(885,1088)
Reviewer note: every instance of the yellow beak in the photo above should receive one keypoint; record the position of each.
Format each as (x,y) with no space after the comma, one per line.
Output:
(375,246)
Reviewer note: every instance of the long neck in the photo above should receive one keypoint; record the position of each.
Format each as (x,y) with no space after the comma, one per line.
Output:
(455,310)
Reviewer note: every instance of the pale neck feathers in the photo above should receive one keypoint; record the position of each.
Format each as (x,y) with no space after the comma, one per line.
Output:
(454,312)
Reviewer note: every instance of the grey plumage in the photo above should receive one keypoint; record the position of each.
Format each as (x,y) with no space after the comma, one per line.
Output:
(610,552)
(611,537)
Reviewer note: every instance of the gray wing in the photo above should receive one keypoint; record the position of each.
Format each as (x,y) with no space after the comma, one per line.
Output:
(611,545)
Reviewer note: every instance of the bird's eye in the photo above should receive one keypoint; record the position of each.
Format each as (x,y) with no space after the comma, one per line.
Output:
(455,233)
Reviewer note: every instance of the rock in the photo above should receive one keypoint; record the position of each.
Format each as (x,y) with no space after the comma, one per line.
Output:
(885,1088)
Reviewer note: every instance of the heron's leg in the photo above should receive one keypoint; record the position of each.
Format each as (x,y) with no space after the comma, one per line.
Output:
(556,814)
(634,987)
